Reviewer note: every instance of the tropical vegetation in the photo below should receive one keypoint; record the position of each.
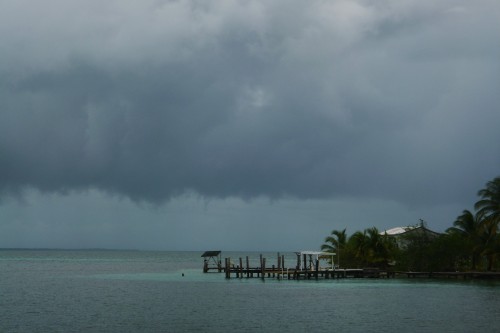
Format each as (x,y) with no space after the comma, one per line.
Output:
(472,243)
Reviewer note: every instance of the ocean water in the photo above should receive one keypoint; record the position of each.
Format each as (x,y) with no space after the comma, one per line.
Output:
(142,291)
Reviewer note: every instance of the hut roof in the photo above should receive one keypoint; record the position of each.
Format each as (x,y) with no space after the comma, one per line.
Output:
(210,253)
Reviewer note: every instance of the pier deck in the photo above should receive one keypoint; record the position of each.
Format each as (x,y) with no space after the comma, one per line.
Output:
(294,274)
(310,269)
(306,271)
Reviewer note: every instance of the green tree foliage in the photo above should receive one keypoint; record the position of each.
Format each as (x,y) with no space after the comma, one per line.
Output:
(488,207)
(447,254)
(336,243)
(472,243)
(380,248)
(369,248)
(468,228)
(416,253)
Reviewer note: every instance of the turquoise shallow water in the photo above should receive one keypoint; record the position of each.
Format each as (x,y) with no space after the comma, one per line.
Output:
(141,291)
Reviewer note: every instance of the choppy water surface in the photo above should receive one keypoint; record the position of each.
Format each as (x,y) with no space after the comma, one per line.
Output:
(127,291)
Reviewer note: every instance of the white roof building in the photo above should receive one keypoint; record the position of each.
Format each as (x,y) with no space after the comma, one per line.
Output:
(397,231)
(402,230)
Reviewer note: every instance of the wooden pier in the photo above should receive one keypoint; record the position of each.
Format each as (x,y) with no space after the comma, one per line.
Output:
(303,270)
(308,267)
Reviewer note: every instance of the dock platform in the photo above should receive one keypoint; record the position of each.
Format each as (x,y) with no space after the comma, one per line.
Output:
(308,267)
(304,270)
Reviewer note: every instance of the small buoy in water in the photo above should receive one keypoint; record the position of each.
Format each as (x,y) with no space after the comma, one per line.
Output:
(182,274)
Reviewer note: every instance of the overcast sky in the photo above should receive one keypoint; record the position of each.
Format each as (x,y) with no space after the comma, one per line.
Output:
(242,125)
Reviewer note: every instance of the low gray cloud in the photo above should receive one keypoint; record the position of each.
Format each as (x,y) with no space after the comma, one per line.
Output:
(153,99)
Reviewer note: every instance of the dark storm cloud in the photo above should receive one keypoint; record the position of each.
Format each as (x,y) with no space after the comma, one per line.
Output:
(249,98)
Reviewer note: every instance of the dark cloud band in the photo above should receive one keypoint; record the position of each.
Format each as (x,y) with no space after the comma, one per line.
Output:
(251,99)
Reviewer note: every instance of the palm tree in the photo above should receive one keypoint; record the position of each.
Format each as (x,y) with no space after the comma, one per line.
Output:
(489,205)
(381,247)
(370,247)
(469,227)
(335,243)
(490,247)
(489,209)
(359,244)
